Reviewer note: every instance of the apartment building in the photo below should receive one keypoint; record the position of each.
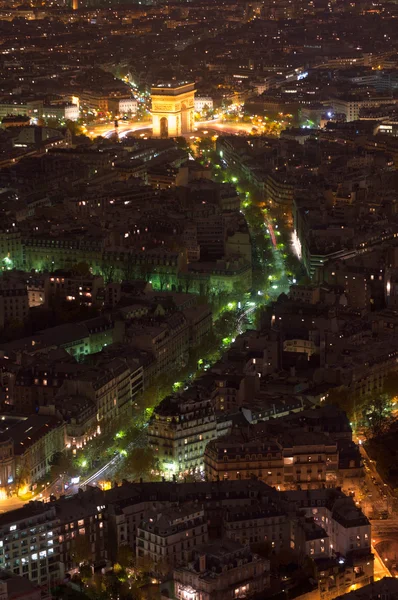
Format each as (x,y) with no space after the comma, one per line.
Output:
(287,460)
(257,523)
(108,388)
(11,248)
(280,189)
(29,543)
(221,275)
(79,414)
(167,339)
(210,232)
(222,570)
(78,339)
(200,321)
(384,589)
(37,384)
(94,100)
(31,108)
(351,106)
(310,539)
(122,105)
(129,505)
(27,446)
(14,301)
(81,517)
(65,111)
(88,290)
(348,534)
(171,535)
(203,103)
(169,524)
(348,529)
(180,429)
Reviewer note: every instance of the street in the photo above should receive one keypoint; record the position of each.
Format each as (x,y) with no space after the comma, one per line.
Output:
(378,503)
(125,127)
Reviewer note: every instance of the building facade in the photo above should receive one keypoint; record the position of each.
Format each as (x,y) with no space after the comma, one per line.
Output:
(179,431)
(172,109)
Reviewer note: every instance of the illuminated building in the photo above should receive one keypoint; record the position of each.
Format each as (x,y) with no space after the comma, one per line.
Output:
(75,4)
(78,339)
(172,109)
(86,290)
(294,460)
(27,446)
(180,429)
(203,103)
(29,543)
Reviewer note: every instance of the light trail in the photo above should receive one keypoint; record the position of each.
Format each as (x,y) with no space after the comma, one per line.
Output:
(113,462)
(126,128)
(271,231)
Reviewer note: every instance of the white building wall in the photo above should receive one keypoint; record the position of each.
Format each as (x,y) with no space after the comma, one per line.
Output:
(201,102)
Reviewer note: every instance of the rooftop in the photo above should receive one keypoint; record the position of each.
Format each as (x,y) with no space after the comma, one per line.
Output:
(173,88)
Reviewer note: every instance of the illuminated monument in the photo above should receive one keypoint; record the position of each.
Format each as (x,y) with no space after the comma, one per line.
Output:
(172,109)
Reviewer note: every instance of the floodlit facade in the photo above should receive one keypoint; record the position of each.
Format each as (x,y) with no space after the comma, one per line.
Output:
(173,109)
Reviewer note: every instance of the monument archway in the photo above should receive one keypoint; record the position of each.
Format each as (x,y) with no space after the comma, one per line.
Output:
(164,127)
(172,103)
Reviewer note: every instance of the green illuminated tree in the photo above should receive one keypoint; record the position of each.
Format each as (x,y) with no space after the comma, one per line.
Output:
(108,272)
(125,556)
(81,268)
(205,145)
(22,473)
(74,128)
(188,281)
(140,462)
(85,572)
(341,397)
(61,463)
(163,279)
(7,263)
(378,416)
